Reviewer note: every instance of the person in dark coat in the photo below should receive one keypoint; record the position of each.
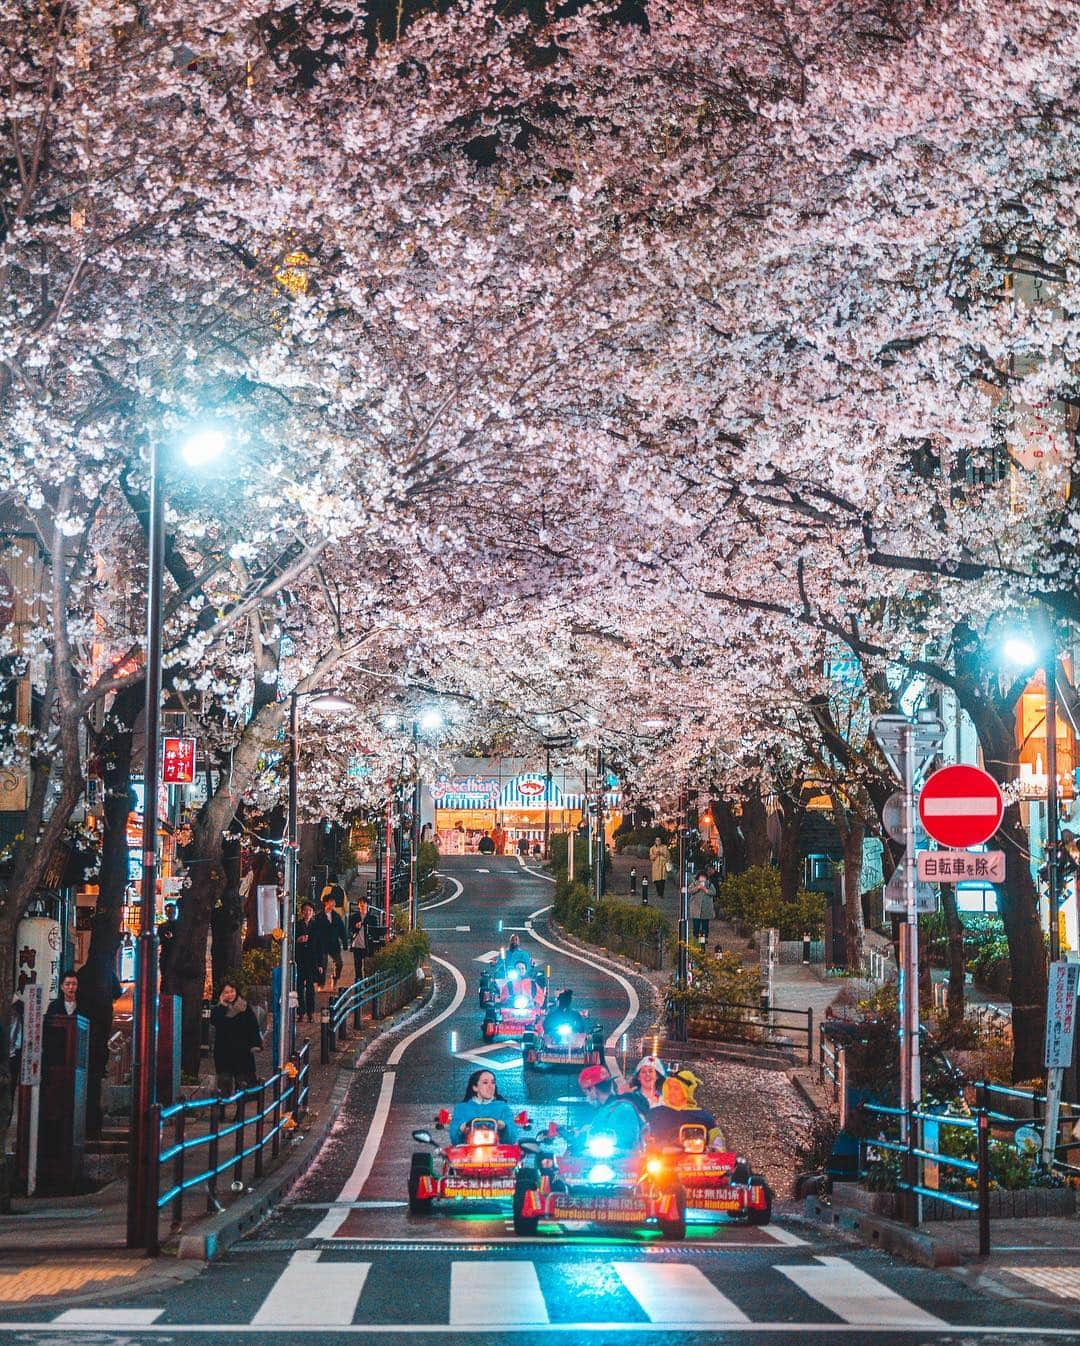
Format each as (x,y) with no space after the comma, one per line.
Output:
(330,932)
(66,1003)
(362,935)
(309,965)
(166,933)
(236,1038)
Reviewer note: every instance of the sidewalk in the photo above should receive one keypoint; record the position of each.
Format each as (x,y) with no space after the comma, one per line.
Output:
(75,1247)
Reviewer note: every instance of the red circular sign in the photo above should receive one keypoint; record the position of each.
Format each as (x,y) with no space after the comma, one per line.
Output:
(961,806)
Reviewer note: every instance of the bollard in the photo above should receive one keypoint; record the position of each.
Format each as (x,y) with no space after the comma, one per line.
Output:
(324,1037)
(633,882)
(806,946)
(644,890)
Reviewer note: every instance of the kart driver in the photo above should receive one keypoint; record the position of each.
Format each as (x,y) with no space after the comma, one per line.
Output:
(614,1114)
(482,1099)
(515,955)
(679,1108)
(564,1014)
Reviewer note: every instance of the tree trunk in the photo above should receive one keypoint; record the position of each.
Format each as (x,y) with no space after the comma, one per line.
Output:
(227,917)
(310,851)
(207,876)
(955,931)
(790,859)
(755,831)
(731,839)
(853,834)
(263,871)
(97,976)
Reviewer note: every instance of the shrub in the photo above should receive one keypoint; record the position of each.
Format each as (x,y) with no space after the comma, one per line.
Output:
(717,979)
(402,955)
(427,858)
(627,836)
(616,925)
(753,899)
(257,967)
(559,850)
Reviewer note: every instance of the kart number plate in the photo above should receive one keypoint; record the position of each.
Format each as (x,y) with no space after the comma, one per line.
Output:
(479,1190)
(616,1208)
(705,1201)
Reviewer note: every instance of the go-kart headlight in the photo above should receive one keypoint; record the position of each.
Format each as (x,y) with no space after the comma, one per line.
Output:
(565,1031)
(655,1166)
(601,1173)
(601,1147)
(521,1002)
(484,1137)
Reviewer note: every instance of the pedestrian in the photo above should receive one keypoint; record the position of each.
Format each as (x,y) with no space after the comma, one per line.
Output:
(66,1004)
(498,839)
(661,861)
(166,933)
(361,935)
(701,907)
(485,846)
(330,932)
(309,968)
(236,1039)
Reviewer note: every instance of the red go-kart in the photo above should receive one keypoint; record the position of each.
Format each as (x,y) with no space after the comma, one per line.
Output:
(563,1044)
(479,1169)
(519,1009)
(718,1180)
(597,1186)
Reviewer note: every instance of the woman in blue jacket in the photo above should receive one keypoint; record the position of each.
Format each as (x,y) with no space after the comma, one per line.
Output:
(482,1099)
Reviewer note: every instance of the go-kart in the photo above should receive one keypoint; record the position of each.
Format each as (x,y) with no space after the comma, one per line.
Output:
(718,1180)
(598,1186)
(498,973)
(520,1010)
(563,1044)
(477,1169)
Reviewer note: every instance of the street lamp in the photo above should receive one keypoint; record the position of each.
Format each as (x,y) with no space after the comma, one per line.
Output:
(198,450)
(331,702)
(429,719)
(1025,653)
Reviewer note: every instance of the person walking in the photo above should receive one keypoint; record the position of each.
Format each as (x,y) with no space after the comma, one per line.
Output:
(661,858)
(166,933)
(702,909)
(309,968)
(330,933)
(361,936)
(236,1039)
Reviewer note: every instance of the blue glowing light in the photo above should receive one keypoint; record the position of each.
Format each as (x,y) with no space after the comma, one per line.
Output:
(521,1002)
(601,1147)
(601,1173)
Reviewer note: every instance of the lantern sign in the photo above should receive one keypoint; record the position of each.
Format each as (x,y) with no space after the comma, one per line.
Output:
(178,761)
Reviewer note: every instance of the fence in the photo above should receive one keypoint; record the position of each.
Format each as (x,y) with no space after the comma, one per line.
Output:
(378,991)
(798,951)
(732,1022)
(649,953)
(830,1062)
(278,1105)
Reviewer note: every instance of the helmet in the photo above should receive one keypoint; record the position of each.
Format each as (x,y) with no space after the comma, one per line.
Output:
(655,1062)
(591,1076)
(688,1080)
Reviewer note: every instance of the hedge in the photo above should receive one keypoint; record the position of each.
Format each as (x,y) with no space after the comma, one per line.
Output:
(402,955)
(753,899)
(615,925)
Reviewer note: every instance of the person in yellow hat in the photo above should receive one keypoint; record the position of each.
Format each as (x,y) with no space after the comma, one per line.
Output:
(680,1108)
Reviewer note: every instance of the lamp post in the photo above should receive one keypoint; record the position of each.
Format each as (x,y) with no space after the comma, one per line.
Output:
(323,699)
(201,448)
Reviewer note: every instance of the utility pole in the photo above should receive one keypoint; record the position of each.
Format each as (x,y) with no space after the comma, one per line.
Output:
(1053,860)
(547,801)
(600,855)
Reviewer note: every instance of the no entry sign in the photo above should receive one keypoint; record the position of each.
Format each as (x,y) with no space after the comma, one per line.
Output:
(961,806)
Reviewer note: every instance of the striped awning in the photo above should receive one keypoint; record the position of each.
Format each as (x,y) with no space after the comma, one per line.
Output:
(612,800)
(531,792)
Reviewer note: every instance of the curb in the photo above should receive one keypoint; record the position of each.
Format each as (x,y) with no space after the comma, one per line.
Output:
(874,1231)
(220,1232)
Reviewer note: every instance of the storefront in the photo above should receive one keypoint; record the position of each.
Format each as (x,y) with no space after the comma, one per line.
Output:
(507,801)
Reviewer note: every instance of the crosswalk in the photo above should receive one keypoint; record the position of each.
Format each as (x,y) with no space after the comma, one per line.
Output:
(318,1291)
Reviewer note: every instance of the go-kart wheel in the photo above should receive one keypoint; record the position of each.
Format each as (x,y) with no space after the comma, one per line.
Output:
(525,1224)
(764,1215)
(741,1172)
(422,1165)
(676,1229)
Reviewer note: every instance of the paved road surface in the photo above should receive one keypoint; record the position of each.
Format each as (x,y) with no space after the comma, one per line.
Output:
(344,1256)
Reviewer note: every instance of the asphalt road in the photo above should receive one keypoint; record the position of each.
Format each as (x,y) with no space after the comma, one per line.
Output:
(343,1256)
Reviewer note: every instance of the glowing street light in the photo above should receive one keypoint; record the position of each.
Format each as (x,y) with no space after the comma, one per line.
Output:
(1020,652)
(204,446)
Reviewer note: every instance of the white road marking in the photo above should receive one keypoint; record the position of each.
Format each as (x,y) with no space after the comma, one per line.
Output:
(108,1318)
(430,906)
(677,1293)
(482,1056)
(354,1184)
(313,1294)
(790,1330)
(857,1298)
(631,994)
(482,871)
(495,1294)
(786,1236)
(489,957)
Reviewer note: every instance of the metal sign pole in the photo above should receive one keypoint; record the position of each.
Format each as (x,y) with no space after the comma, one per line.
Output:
(910,1064)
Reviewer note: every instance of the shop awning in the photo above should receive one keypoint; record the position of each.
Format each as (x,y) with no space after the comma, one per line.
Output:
(531,792)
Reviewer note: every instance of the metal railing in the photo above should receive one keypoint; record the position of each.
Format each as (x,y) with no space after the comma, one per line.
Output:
(732,1022)
(984,1119)
(349,1003)
(277,1106)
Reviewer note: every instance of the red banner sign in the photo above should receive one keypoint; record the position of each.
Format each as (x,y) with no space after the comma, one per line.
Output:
(178,761)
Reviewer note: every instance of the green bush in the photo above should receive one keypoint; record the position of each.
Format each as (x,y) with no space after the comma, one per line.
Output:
(642,836)
(257,967)
(753,899)
(427,860)
(402,955)
(559,850)
(717,979)
(616,925)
